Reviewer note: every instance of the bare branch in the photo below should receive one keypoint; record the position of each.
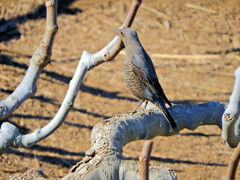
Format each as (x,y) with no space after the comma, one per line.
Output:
(230,119)
(156,12)
(109,137)
(232,167)
(87,61)
(110,51)
(144,160)
(8,134)
(200,8)
(39,134)
(39,60)
(185,56)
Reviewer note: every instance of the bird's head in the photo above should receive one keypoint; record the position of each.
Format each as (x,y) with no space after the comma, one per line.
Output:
(127,35)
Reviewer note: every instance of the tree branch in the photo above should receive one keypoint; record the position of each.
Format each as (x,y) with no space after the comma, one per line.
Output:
(232,167)
(144,160)
(230,119)
(111,50)
(87,61)
(110,136)
(39,60)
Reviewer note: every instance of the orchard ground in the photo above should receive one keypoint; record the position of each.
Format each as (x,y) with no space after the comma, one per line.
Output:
(164,27)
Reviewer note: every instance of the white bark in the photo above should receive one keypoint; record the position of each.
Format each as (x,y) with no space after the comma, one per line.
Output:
(39,60)
(230,119)
(110,136)
(8,134)
(87,61)
(104,159)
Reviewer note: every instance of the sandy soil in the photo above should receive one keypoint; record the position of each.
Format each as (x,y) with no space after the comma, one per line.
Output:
(164,27)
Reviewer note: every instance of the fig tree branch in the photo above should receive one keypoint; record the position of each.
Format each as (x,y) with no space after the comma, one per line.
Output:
(87,61)
(39,60)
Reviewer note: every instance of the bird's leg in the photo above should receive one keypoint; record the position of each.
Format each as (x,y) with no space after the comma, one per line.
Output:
(138,105)
(145,104)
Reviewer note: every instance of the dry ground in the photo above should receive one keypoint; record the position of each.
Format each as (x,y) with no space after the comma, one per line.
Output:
(164,27)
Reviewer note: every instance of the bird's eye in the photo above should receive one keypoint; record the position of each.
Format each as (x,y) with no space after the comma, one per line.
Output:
(121,33)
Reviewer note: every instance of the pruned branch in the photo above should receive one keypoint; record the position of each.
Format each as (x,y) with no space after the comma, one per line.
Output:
(39,60)
(144,160)
(233,164)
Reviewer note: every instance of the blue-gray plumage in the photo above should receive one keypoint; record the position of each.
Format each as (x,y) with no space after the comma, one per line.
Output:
(139,73)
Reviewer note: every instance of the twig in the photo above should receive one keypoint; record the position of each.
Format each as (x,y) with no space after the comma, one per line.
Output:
(183,56)
(200,8)
(232,166)
(157,13)
(144,160)
(111,50)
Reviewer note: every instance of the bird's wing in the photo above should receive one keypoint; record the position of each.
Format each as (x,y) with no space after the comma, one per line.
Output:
(146,73)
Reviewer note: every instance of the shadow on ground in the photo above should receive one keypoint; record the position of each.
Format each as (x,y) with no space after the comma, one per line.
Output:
(178,161)
(7,60)
(9,28)
(60,161)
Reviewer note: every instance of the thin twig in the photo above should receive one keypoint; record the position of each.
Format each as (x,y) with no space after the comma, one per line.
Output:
(156,12)
(182,56)
(232,166)
(144,160)
(200,8)
(127,23)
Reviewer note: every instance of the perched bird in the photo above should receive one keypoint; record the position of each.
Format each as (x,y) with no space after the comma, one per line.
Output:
(140,75)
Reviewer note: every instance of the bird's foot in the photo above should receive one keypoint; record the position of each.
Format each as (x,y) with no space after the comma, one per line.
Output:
(138,106)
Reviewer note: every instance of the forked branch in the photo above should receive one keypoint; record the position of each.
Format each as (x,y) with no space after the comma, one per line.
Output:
(39,60)
(110,136)
(27,87)
(87,61)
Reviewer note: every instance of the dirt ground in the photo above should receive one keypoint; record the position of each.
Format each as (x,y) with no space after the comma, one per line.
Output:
(164,27)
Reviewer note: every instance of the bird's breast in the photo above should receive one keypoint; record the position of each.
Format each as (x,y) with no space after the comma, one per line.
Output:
(132,81)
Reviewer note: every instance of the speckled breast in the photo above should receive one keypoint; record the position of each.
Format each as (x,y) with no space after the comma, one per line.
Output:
(132,81)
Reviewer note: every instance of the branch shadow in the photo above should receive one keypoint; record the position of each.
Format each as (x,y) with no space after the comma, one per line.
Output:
(27,116)
(84,111)
(59,161)
(228,51)
(7,60)
(199,134)
(174,161)
(39,98)
(105,94)
(55,150)
(21,129)
(9,29)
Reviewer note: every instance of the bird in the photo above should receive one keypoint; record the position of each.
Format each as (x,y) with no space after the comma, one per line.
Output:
(139,73)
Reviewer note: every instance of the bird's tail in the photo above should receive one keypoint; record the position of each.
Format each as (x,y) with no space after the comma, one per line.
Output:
(161,105)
